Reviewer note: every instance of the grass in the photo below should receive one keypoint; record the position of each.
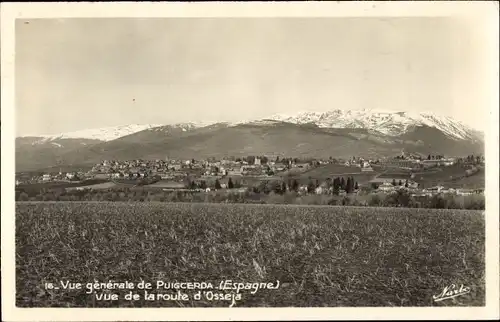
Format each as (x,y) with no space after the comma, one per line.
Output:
(453,179)
(328,170)
(104,185)
(322,256)
(332,170)
(474,181)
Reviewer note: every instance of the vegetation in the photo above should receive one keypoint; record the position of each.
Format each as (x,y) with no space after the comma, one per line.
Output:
(266,193)
(322,256)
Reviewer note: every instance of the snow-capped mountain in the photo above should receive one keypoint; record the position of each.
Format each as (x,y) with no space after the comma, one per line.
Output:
(102,134)
(335,133)
(184,127)
(386,122)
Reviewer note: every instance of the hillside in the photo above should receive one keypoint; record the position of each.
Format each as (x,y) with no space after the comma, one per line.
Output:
(258,138)
(33,153)
(425,139)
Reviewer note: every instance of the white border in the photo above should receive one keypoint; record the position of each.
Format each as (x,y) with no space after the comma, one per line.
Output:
(486,11)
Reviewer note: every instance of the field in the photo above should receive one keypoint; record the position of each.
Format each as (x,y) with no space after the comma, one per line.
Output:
(322,256)
(104,185)
(332,170)
(329,170)
(452,176)
(58,185)
(475,181)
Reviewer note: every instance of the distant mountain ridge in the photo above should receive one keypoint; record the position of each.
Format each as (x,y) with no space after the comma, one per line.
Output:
(102,134)
(386,122)
(334,133)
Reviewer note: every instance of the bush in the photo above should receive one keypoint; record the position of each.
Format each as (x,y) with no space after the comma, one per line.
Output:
(474,202)
(333,201)
(375,201)
(23,196)
(438,202)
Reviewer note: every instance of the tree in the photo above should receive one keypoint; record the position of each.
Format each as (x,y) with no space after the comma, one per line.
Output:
(23,196)
(394,182)
(230,184)
(217,184)
(251,159)
(406,183)
(276,187)
(356,186)
(400,182)
(336,184)
(342,183)
(310,187)
(429,157)
(283,187)
(403,198)
(437,202)
(336,188)
(348,185)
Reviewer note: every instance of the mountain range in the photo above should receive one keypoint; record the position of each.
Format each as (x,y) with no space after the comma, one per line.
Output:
(336,133)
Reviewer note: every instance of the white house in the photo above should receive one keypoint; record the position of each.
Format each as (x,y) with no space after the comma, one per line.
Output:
(465,192)
(436,189)
(386,187)
(320,190)
(448,191)
(176,167)
(302,189)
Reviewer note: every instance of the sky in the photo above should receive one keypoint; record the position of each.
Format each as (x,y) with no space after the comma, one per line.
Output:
(80,73)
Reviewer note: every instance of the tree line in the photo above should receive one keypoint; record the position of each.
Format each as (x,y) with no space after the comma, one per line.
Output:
(398,199)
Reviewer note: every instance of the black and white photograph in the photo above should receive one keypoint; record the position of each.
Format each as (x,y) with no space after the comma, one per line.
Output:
(251,161)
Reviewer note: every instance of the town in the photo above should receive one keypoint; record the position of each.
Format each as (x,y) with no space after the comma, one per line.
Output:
(410,172)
